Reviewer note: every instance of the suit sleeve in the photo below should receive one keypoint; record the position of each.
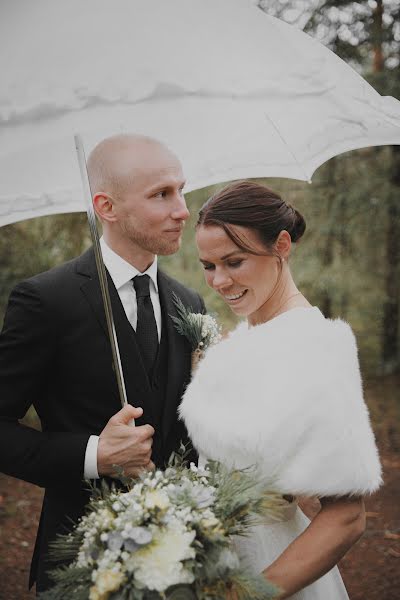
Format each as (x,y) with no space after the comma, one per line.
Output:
(27,345)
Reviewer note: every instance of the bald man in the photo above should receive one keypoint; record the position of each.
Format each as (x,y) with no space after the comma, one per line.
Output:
(55,352)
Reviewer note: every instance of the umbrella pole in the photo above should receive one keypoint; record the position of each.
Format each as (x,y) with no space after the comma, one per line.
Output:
(101,270)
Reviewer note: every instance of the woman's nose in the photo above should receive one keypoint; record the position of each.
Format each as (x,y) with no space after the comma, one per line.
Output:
(221,279)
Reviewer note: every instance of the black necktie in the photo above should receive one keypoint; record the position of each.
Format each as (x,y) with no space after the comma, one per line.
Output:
(146,329)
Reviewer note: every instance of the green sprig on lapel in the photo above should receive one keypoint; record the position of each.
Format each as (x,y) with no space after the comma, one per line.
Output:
(200,330)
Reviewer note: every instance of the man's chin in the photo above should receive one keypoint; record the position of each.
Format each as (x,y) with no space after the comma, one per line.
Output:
(168,249)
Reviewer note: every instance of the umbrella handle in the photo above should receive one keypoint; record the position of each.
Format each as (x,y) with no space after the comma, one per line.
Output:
(101,272)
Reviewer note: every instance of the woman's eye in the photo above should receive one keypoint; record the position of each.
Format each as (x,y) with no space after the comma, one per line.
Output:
(208,267)
(235,263)
(161,194)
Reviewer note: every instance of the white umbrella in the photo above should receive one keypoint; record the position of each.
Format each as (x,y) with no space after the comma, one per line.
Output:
(234,92)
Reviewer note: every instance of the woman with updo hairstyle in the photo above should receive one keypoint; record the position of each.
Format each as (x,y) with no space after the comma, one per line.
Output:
(282,393)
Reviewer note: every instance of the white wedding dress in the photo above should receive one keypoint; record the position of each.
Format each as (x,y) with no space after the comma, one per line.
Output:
(286,396)
(266,542)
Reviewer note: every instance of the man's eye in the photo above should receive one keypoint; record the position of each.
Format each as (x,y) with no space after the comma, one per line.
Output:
(207,267)
(161,194)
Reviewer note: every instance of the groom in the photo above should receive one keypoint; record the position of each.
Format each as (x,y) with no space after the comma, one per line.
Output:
(55,352)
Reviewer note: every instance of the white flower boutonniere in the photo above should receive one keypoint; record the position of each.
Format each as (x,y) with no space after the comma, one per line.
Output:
(201,331)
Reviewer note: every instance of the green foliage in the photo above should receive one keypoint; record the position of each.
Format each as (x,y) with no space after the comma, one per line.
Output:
(239,503)
(189,328)
(33,246)
(69,580)
(200,330)
(232,501)
(255,588)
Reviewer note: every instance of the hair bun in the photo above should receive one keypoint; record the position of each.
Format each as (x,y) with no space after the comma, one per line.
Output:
(299,226)
(252,205)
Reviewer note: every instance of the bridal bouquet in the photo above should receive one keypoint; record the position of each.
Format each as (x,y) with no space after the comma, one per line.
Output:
(168,536)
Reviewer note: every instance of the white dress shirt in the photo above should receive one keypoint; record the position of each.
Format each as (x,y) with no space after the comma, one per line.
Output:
(122,273)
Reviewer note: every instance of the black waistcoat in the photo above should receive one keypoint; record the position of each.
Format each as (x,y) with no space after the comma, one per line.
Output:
(156,398)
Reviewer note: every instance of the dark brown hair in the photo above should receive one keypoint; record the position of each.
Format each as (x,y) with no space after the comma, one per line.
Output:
(255,206)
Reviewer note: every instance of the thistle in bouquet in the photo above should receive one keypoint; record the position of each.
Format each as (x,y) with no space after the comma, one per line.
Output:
(169,536)
(201,330)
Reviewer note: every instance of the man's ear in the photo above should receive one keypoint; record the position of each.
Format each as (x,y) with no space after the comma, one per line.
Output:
(283,244)
(104,206)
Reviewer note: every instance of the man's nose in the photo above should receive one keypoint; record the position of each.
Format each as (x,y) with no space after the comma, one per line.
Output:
(180,212)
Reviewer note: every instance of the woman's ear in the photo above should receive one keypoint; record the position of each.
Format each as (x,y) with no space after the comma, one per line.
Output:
(283,244)
(104,207)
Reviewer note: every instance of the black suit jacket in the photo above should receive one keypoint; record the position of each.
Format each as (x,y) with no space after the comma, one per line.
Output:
(55,354)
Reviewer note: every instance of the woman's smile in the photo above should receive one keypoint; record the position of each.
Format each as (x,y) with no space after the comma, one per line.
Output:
(231,298)
(245,280)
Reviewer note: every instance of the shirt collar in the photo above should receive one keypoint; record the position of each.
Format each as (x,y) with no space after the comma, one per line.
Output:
(121,271)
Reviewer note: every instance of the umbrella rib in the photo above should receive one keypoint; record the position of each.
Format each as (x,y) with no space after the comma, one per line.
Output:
(306,176)
(101,272)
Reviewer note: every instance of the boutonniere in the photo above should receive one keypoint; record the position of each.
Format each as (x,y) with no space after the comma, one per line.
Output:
(201,331)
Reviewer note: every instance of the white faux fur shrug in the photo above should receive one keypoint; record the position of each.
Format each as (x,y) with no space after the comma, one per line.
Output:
(286,396)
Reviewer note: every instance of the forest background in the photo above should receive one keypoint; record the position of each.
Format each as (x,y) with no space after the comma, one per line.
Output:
(348,264)
(348,261)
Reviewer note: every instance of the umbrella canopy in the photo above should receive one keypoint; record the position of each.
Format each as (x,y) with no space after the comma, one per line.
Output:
(234,92)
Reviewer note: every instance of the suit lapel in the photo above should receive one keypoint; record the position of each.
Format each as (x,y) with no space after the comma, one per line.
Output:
(179,356)
(136,382)
(91,290)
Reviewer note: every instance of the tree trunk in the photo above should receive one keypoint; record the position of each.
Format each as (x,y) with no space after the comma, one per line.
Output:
(379,61)
(391,308)
(327,256)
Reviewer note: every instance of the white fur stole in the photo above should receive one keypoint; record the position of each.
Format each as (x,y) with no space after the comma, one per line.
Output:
(287,396)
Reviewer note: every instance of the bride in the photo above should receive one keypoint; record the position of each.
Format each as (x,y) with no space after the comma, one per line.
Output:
(282,392)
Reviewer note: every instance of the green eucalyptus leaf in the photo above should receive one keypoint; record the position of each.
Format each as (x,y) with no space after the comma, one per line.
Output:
(181,592)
